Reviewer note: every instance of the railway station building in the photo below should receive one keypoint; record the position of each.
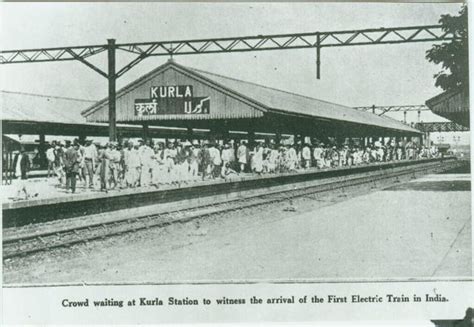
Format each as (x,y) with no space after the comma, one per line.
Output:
(178,102)
(173,95)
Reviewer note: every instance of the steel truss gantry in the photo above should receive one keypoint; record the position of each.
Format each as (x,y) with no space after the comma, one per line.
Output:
(316,40)
(381,110)
(441,127)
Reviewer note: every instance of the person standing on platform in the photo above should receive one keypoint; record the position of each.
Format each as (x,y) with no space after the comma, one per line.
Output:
(182,164)
(343,153)
(233,150)
(266,157)
(282,166)
(273,159)
(50,158)
(82,168)
(194,161)
(400,151)
(306,156)
(393,150)
(409,150)
(121,176)
(299,160)
(318,156)
(257,159)
(387,152)
(242,156)
(333,157)
(354,155)
(373,154)
(215,162)
(366,156)
(90,159)
(59,162)
(22,165)
(291,158)
(226,154)
(103,159)
(135,168)
(169,156)
(72,158)
(205,160)
(158,165)
(114,165)
(380,153)
(127,153)
(146,159)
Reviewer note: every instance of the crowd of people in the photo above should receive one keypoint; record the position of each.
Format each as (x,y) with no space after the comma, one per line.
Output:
(106,166)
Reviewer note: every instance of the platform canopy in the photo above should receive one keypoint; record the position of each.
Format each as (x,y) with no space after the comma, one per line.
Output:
(37,114)
(179,96)
(452,105)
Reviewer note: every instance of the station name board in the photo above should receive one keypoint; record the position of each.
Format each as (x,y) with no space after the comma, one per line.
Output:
(172,100)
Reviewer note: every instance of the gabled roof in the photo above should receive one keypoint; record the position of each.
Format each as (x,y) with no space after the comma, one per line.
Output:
(20,106)
(283,101)
(269,99)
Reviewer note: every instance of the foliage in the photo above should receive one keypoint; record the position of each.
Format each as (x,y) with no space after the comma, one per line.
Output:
(452,55)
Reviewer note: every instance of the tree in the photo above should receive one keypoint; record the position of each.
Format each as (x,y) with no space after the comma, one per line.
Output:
(452,55)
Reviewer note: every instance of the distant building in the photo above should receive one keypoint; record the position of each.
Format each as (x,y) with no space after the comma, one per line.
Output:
(452,105)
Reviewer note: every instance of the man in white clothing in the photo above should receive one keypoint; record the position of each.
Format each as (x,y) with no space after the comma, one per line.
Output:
(306,156)
(318,155)
(146,159)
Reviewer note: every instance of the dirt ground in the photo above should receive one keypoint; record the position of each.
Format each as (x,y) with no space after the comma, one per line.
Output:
(418,229)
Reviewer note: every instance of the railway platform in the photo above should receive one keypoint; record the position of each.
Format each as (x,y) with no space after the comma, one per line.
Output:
(55,204)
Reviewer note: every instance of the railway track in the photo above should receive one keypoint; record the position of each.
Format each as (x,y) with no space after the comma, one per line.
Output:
(18,244)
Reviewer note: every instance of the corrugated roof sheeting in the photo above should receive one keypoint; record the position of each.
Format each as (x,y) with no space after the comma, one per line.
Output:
(295,103)
(38,108)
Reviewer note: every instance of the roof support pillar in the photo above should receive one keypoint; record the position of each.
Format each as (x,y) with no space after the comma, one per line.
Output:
(42,151)
(190,134)
(112,79)
(251,138)
(225,136)
(277,138)
(146,131)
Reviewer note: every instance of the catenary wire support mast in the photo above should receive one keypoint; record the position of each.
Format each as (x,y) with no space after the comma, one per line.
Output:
(382,110)
(317,40)
(112,98)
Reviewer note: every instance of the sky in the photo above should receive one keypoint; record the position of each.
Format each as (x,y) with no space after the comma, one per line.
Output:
(353,76)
